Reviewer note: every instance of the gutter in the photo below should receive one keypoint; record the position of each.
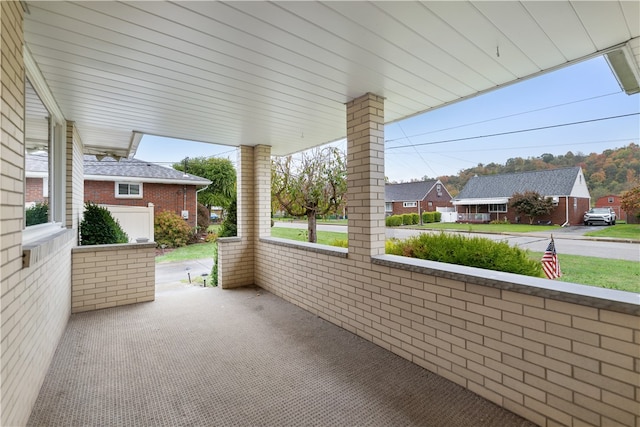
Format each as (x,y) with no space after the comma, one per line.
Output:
(566,210)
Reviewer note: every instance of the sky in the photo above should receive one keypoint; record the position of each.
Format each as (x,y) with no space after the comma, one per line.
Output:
(456,137)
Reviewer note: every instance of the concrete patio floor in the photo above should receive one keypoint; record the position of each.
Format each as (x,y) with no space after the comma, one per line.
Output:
(207,356)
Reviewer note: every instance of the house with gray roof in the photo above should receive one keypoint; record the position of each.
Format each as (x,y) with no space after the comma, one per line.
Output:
(415,197)
(124,182)
(486,198)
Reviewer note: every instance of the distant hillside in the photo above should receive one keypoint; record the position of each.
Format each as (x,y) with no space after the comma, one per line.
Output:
(610,172)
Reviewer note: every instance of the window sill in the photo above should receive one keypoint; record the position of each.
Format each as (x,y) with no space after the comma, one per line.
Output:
(41,240)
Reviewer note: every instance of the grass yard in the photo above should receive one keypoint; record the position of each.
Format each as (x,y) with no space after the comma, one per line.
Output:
(619,231)
(195,251)
(601,272)
(488,228)
(324,237)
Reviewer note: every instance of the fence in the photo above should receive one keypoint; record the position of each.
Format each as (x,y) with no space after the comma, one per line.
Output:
(136,221)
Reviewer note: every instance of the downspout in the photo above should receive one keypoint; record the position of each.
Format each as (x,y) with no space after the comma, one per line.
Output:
(197,191)
(566,211)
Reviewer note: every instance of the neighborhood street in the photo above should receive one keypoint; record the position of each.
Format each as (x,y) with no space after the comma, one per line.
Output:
(570,240)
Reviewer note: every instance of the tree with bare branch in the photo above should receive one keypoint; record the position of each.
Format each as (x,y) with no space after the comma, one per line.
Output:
(309,184)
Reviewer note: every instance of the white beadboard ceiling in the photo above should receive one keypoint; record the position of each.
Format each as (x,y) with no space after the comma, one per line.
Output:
(279,73)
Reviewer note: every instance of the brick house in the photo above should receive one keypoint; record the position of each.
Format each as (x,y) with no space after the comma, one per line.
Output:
(415,197)
(127,182)
(612,201)
(486,198)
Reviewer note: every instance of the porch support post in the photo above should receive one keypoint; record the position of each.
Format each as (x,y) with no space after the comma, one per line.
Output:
(365,176)
(262,185)
(236,255)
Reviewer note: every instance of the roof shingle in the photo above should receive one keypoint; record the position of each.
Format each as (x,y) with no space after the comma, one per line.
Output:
(554,182)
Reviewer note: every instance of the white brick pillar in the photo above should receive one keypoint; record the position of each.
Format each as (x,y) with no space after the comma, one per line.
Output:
(262,197)
(365,176)
(236,255)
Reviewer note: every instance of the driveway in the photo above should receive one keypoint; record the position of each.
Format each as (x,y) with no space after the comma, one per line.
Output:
(173,275)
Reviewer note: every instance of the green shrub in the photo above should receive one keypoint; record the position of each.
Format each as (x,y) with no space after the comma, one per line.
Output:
(99,227)
(428,217)
(437,216)
(406,219)
(415,218)
(214,269)
(203,218)
(38,214)
(470,251)
(171,230)
(229,226)
(341,243)
(393,221)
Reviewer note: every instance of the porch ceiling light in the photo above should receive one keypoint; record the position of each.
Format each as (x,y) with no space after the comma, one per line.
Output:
(625,68)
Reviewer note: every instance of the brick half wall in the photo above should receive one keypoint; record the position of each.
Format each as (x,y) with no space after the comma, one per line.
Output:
(554,353)
(112,275)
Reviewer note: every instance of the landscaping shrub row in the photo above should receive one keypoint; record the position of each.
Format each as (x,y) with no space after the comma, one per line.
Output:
(470,251)
(412,219)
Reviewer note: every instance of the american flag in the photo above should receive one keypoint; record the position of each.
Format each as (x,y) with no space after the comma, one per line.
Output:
(550,263)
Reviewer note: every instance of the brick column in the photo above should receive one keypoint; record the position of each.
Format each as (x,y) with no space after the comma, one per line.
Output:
(246,189)
(262,175)
(365,176)
(236,256)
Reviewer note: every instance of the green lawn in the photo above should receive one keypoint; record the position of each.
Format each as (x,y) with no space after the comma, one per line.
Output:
(621,231)
(600,272)
(488,228)
(324,237)
(195,251)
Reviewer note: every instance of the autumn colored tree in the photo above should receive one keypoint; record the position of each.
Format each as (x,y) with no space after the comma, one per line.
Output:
(531,204)
(312,183)
(630,201)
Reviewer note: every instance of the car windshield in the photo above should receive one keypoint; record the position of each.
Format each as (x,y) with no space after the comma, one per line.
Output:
(599,210)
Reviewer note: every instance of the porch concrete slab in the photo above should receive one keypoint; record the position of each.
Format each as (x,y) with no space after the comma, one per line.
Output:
(213,357)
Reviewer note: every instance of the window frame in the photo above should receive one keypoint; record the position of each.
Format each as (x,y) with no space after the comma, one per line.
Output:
(409,204)
(129,195)
(493,208)
(388,206)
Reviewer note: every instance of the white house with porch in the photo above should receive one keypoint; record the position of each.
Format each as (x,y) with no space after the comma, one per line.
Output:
(272,78)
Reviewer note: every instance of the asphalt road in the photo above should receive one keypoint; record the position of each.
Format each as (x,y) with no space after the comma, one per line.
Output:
(569,240)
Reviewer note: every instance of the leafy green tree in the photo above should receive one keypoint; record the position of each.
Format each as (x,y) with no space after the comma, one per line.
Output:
(531,204)
(312,183)
(220,172)
(99,227)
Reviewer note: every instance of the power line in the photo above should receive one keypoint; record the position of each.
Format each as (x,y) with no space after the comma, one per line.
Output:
(519,147)
(513,131)
(509,116)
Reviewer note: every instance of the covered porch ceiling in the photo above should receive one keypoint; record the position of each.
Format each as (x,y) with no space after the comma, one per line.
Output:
(279,73)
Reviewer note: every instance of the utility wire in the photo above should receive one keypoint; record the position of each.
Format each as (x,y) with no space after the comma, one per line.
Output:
(509,115)
(513,131)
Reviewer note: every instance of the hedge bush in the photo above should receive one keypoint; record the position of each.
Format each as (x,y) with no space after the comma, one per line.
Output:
(393,221)
(406,219)
(428,217)
(415,218)
(203,218)
(38,214)
(171,230)
(99,227)
(470,251)
(437,216)
(229,226)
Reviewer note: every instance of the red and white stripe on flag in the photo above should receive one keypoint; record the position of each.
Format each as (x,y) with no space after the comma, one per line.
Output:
(550,264)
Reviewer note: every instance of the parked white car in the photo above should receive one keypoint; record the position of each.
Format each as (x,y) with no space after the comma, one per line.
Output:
(605,216)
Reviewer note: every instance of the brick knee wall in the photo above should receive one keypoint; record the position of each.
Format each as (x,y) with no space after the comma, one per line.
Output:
(503,336)
(112,275)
